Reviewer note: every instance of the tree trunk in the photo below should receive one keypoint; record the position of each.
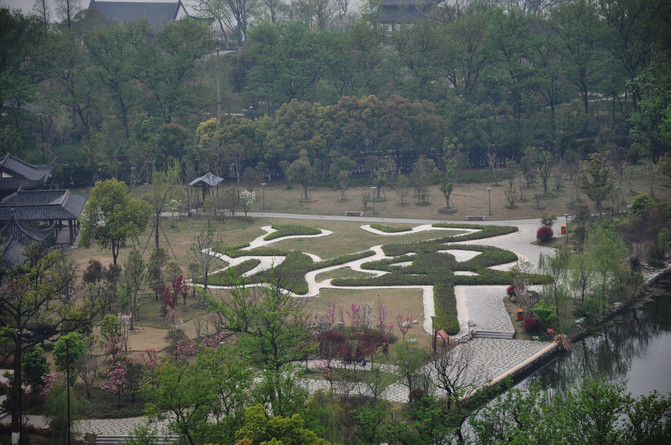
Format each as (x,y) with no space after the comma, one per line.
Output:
(16,398)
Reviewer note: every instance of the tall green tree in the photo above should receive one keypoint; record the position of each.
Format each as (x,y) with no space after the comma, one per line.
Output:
(36,305)
(576,23)
(74,86)
(467,53)
(166,65)
(287,62)
(596,181)
(258,428)
(271,324)
(111,216)
(421,178)
(111,51)
(165,187)
(20,40)
(651,123)
(632,29)
(301,171)
(595,412)
(203,401)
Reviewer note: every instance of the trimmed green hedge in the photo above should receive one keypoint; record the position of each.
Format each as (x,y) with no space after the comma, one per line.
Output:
(228,250)
(283,230)
(261,251)
(390,229)
(446,308)
(439,244)
(231,276)
(296,264)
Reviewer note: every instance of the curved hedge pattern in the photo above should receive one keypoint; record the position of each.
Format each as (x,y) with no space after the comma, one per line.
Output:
(429,265)
(283,230)
(390,229)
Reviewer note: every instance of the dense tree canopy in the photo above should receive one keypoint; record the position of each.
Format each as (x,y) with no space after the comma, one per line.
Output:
(111,216)
(498,78)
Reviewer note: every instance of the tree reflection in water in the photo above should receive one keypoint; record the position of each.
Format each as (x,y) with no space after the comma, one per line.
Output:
(627,349)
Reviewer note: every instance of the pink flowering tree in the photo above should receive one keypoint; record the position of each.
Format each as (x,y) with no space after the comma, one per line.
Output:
(48,381)
(115,345)
(185,348)
(116,380)
(168,298)
(180,288)
(150,358)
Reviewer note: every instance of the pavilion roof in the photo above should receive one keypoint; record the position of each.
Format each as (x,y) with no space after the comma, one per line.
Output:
(16,173)
(42,205)
(208,178)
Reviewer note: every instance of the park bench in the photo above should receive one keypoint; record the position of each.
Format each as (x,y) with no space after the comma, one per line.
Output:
(475,218)
(353,213)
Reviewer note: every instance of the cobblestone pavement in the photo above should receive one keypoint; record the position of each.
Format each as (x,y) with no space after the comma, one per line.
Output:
(116,427)
(484,309)
(486,360)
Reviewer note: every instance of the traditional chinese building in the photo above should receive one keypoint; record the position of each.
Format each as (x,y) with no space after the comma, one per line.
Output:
(31,212)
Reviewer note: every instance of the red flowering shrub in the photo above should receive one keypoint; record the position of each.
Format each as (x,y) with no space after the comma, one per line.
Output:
(511,290)
(544,234)
(531,325)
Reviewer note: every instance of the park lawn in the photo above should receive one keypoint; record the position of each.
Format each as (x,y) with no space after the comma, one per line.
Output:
(468,199)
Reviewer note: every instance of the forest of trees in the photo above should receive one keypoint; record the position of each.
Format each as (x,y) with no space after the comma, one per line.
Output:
(109,100)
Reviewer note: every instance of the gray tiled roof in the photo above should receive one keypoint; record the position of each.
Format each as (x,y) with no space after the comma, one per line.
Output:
(404,11)
(24,174)
(12,253)
(42,205)
(17,237)
(23,234)
(208,178)
(157,14)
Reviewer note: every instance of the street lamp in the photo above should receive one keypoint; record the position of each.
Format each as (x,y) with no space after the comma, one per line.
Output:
(218,85)
(374,189)
(251,112)
(566,218)
(489,192)
(433,332)
(263,195)
(44,159)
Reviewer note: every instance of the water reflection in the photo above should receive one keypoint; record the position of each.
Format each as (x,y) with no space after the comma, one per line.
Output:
(634,349)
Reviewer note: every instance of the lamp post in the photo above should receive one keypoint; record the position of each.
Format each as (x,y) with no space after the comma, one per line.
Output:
(374,189)
(263,196)
(67,381)
(566,218)
(44,156)
(218,85)
(19,386)
(433,333)
(489,193)
(251,112)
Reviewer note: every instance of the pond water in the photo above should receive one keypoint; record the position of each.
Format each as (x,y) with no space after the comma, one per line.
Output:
(634,348)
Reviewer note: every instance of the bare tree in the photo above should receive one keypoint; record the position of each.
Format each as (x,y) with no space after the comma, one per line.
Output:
(41,9)
(274,7)
(200,256)
(66,10)
(410,367)
(494,163)
(455,376)
(232,15)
